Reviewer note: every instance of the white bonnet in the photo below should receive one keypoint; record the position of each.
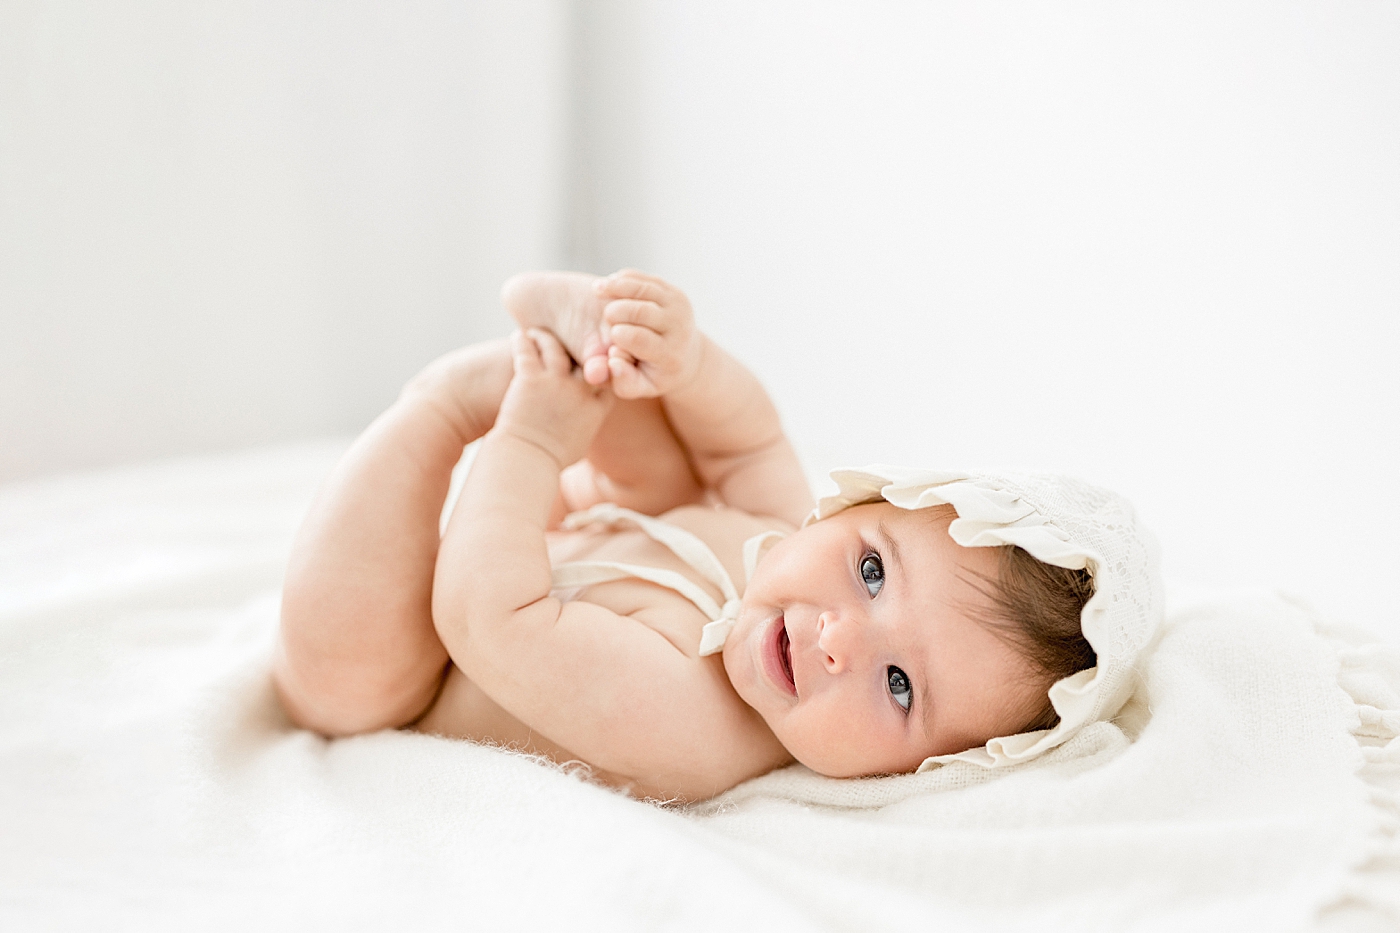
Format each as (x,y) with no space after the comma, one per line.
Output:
(1060,521)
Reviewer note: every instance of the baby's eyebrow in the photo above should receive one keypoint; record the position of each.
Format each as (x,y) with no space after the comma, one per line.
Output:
(890,545)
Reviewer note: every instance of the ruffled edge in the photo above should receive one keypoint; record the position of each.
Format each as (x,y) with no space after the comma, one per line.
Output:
(992,517)
(1368,674)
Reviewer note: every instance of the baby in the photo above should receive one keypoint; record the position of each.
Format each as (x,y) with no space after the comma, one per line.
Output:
(865,643)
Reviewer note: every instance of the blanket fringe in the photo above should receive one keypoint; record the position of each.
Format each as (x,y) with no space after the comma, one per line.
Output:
(1369,673)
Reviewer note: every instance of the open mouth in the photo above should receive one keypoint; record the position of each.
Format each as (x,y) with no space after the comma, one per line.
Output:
(780,657)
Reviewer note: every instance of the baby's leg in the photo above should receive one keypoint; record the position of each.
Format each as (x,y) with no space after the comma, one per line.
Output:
(357,650)
(636,459)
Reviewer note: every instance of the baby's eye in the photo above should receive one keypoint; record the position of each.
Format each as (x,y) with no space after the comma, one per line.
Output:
(872,571)
(900,689)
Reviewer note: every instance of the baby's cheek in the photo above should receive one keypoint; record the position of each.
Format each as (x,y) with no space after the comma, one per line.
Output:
(833,743)
(804,736)
(737,657)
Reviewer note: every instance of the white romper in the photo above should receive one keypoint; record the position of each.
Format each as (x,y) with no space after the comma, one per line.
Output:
(690,549)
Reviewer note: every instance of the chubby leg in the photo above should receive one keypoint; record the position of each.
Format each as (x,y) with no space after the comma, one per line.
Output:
(636,459)
(356,649)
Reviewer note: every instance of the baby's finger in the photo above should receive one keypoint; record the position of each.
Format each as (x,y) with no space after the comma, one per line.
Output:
(643,343)
(642,313)
(555,358)
(628,286)
(595,369)
(639,274)
(525,353)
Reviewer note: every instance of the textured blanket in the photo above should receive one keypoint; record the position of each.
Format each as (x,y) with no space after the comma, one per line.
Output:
(149,780)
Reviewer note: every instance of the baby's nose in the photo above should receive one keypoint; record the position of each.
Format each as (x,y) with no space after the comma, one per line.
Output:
(837,641)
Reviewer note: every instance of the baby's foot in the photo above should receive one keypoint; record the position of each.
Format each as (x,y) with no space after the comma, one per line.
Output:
(567,304)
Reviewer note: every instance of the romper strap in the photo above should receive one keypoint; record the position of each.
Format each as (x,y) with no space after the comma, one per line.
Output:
(588,572)
(690,549)
(694,552)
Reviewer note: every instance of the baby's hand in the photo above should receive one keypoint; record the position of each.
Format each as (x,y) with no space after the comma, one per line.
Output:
(548,403)
(655,347)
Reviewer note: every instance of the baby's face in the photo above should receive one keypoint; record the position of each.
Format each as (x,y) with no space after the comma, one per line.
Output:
(856,645)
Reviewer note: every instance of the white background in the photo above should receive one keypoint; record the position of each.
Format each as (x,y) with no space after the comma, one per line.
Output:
(227,222)
(1156,245)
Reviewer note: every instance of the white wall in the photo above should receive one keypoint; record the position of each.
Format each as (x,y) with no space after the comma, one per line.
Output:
(230,222)
(1151,244)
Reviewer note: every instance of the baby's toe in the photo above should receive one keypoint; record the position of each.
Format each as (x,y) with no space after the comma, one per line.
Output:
(595,369)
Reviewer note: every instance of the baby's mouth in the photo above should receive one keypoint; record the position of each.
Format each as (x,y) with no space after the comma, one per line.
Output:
(777,657)
(785,655)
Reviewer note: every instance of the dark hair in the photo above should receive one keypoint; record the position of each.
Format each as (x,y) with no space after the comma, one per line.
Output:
(1036,607)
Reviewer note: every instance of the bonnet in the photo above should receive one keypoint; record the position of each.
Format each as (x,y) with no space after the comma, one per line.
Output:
(1060,521)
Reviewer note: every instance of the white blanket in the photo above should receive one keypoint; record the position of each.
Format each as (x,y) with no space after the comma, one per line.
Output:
(148,779)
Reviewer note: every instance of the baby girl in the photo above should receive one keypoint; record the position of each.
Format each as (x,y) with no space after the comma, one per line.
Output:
(584,603)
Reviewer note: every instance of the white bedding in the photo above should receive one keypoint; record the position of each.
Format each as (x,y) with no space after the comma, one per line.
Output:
(148,779)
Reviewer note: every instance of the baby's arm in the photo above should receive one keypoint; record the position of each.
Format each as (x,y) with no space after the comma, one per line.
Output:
(607,687)
(718,409)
